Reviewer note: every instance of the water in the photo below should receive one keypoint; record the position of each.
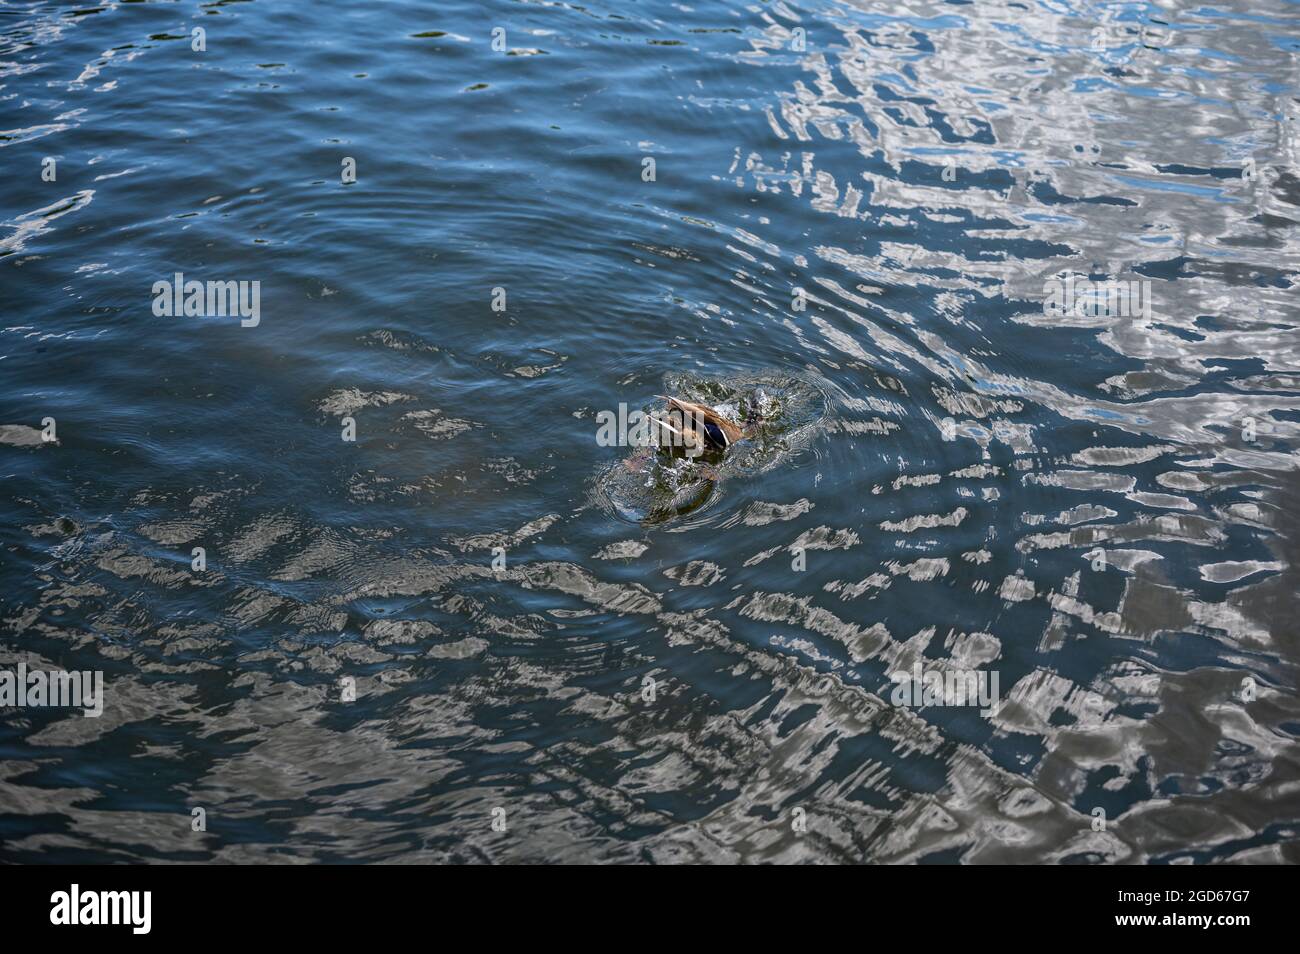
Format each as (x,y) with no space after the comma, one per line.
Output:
(1073,502)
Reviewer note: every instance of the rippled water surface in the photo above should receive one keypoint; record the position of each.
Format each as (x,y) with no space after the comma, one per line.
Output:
(857,201)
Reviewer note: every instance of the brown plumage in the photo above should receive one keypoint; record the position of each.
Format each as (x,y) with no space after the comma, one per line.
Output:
(700,425)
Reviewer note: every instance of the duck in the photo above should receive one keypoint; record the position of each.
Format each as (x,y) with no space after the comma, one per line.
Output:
(698,427)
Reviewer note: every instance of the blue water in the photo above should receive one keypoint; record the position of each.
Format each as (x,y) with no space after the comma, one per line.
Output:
(564,651)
